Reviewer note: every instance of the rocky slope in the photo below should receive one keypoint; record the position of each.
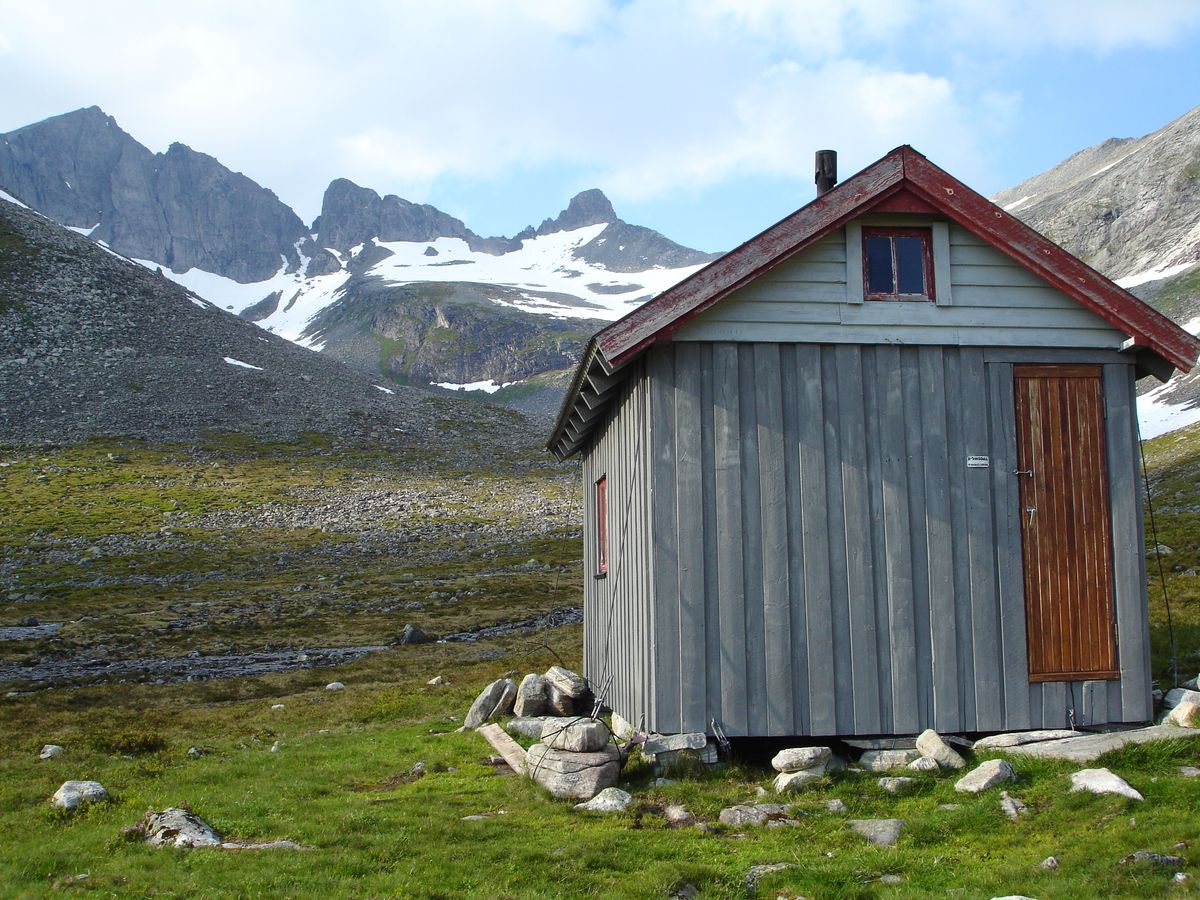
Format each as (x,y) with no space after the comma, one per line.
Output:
(1130,207)
(91,344)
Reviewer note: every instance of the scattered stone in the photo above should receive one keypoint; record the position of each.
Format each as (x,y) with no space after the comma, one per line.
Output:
(930,743)
(1050,863)
(277,706)
(949,807)
(335,686)
(756,874)
(609,800)
(418,768)
(275,746)
(1163,550)
(678,816)
(663,782)
(1102,781)
(756,815)
(887,760)
(1185,715)
(790,782)
(566,681)
(1016,738)
(985,776)
(890,879)
(1189,772)
(493,701)
(436,681)
(760,791)
(835,806)
(262,845)
(50,751)
(577,735)
(531,696)
(74,793)
(880,832)
(924,764)
(896,785)
(412,634)
(175,827)
(196,752)
(1149,857)
(574,776)
(1012,806)
(798,759)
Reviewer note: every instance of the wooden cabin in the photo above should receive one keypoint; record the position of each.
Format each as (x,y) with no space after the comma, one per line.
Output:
(874,471)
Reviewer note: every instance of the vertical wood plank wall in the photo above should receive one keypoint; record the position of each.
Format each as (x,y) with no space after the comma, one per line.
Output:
(619,618)
(824,561)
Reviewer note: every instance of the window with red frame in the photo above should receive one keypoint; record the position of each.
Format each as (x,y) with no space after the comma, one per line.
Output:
(898,264)
(602,525)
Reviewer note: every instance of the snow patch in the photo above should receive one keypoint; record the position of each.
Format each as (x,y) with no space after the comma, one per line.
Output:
(1155,274)
(488,387)
(199,303)
(4,195)
(244,365)
(380,387)
(1017,204)
(86,232)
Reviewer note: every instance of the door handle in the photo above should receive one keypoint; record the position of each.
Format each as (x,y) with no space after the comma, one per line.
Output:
(1031,510)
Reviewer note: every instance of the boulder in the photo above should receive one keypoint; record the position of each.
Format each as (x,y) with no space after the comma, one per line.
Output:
(986,775)
(789,782)
(175,827)
(413,634)
(584,735)
(493,701)
(335,686)
(930,743)
(531,696)
(798,759)
(75,793)
(1185,715)
(671,743)
(756,815)
(880,832)
(557,702)
(1149,857)
(609,800)
(574,776)
(1102,781)
(50,751)
(887,760)
(527,726)
(567,682)
(896,785)
(1017,738)
(1178,695)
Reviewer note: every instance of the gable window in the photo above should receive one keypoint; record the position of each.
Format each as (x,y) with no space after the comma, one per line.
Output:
(897,263)
(601,509)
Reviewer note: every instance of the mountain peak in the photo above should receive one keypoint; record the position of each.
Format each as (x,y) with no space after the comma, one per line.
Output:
(588,207)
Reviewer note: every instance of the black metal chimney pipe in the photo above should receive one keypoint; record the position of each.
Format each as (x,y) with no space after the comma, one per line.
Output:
(826,170)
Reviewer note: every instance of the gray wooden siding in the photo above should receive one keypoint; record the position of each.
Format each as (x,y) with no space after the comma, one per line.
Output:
(827,564)
(619,621)
(996,303)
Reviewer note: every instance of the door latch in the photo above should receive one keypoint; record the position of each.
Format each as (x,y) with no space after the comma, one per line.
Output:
(1028,472)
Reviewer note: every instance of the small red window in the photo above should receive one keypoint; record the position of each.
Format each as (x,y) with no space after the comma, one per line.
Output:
(602,525)
(897,264)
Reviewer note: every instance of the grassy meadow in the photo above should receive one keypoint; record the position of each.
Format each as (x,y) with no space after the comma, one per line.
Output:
(232,546)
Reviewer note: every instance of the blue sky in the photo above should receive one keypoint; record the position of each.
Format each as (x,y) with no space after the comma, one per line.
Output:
(698,117)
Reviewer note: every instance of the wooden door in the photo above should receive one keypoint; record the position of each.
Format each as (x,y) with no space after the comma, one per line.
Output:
(1065,528)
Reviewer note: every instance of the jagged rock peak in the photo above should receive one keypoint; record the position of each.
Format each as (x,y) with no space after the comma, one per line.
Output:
(588,207)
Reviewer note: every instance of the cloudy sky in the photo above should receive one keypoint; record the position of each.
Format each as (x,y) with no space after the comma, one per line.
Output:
(697,117)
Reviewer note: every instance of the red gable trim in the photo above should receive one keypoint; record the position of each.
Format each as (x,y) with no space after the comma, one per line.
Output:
(908,176)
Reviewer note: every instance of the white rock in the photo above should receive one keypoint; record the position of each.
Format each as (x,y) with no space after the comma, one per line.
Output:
(50,751)
(797,759)
(1189,772)
(74,793)
(275,747)
(1102,781)
(835,805)
(1050,862)
(583,735)
(930,743)
(566,681)
(678,815)
(887,760)
(531,696)
(175,827)
(277,706)
(790,782)
(436,680)
(896,785)
(622,729)
(335,686)
(986,775)
(609,800)
(1185,715)
(924,764)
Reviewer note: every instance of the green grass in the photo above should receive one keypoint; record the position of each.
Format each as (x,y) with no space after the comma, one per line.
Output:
(340,783)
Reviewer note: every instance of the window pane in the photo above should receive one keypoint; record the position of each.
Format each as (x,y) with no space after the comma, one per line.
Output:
(879,265)
(910,261)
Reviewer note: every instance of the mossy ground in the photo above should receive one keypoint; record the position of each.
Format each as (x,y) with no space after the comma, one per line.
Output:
(340,782)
